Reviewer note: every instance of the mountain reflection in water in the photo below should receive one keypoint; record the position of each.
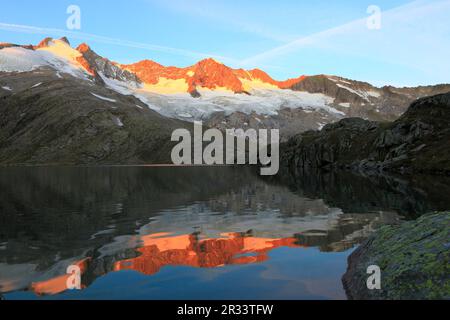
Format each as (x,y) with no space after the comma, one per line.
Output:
(115,220)
(185,250)
(188,250)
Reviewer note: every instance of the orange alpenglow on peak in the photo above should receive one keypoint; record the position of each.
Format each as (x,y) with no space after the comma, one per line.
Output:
(59,284)
(287,84)
(150,72)
(211,74)
(162,249)
(84,47)
(263,76)
(205,74)
(44,43)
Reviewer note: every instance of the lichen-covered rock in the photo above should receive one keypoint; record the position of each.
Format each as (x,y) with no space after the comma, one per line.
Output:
(414,259)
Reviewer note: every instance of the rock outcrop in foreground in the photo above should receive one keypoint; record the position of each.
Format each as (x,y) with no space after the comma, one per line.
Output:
(414,259)
(418,142)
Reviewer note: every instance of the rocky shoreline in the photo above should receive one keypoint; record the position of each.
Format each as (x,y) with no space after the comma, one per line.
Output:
(414,259)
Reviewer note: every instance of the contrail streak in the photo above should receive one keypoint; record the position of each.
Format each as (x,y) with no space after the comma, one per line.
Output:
(114,41)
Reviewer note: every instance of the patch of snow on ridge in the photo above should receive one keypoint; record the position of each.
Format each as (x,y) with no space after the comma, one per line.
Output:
(122,87)
(103,98)
(337,80)
(7,88)
(352,91)
(184,115)
(118,122)
(36,85)
(363,94)
(374,93)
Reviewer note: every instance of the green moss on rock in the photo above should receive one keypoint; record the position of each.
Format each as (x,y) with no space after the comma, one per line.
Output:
(414,259)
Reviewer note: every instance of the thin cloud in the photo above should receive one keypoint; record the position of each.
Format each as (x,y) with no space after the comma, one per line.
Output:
(310,40)
(222,14)
(107,40)
(401,20)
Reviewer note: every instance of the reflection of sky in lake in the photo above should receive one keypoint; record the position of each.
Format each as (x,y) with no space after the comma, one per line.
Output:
(290,273)
(200,233)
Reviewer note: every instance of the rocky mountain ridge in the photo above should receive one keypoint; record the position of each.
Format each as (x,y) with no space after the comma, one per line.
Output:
(208,91)
(211,75)
(416,142)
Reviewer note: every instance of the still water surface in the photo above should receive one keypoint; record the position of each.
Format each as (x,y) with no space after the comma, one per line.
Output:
(193,233)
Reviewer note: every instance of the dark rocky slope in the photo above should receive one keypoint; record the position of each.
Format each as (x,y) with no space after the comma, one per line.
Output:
(417,142)
(414,259)
(100,66)
(53,120)
(367,101)
(352,98)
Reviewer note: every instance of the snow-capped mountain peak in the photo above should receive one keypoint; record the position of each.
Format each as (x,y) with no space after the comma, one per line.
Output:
(212,91)
(207,74)
(57,54)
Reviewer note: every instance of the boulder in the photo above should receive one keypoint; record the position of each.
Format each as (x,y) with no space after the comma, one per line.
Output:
(414,259)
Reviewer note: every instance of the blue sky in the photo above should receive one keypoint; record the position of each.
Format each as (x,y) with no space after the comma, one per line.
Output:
(285,38)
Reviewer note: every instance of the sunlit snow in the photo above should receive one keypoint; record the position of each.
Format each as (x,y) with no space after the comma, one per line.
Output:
(58,55)
(103,98)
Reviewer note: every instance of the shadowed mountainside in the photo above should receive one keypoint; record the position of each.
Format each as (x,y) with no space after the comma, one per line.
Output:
(49,120)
